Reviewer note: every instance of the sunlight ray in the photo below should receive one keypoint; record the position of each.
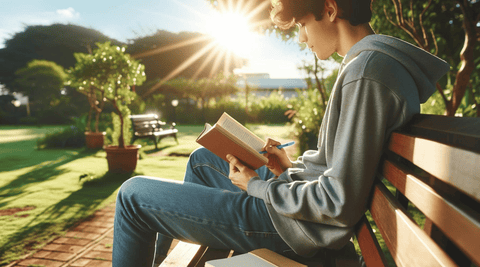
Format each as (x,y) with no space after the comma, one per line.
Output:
(239,6)
(265,22)
(228,60)
(172,47)
(246,8)
(257,9)
(221,6)
(205,63)
(182,67)
(216,63)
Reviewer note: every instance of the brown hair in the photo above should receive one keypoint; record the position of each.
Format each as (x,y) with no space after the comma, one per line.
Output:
(285,13)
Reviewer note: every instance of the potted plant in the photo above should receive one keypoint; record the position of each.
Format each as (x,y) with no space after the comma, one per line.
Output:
(112,72)
(83,77)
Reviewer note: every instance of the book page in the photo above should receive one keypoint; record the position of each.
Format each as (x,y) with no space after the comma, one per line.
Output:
(240,131)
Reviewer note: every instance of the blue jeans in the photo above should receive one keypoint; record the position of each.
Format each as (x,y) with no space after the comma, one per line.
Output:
(205,209)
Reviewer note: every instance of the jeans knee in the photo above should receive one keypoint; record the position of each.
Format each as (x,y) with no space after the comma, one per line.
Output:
(129,187)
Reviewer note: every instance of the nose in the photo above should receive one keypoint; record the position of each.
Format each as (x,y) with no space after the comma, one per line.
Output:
(302,36)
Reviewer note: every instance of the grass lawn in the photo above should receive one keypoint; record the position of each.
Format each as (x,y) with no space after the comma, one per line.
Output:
(42,195)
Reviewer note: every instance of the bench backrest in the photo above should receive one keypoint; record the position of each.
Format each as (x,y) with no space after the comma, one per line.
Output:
(434,167)
(147,123)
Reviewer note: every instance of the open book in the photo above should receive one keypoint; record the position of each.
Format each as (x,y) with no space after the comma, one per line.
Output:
(228,136)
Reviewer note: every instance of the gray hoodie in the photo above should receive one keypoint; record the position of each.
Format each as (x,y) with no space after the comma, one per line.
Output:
(380,85)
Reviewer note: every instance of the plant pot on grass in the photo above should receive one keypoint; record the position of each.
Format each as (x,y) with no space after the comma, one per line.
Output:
(122,160)
(94,140)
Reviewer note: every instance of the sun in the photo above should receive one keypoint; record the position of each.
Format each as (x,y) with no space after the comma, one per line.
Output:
(232,31)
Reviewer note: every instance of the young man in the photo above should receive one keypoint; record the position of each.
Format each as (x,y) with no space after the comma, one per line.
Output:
(300,207)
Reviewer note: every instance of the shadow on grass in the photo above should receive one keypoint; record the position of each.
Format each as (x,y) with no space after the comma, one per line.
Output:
(77,206)
(42,172)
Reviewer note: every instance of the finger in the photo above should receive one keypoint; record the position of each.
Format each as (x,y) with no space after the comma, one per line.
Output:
(270,142)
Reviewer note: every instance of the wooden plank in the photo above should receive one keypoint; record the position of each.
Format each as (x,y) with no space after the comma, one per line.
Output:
(183,255)
(371,251)
(213,254)
(461,225)
(408,244)
(459,132)
(457,167)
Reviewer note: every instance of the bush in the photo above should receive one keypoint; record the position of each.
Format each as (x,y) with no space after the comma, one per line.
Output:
(307,114)
(269,109)
(68,137)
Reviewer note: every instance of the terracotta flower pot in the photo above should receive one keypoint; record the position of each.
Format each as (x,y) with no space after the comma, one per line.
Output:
(94,140)
(122,160)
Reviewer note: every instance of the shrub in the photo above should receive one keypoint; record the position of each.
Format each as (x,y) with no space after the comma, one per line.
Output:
(307,113)
(70,136)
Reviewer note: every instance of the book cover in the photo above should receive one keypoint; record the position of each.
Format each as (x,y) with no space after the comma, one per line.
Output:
(228,136)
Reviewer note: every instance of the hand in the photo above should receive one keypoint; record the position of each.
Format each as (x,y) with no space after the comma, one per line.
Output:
(239,173)
(278,160)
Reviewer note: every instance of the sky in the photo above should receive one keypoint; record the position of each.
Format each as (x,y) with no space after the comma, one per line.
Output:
(124,20)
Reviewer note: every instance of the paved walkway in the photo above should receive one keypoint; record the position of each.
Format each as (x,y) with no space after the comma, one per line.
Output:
(87,244)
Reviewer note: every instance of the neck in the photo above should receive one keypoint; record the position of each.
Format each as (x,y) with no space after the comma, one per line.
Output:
(350,35)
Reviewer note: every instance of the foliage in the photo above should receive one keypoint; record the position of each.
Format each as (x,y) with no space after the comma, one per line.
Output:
(109,72)
(270,109)
(71,136)
(40,80)
(56,43)
(127,126)
(306,115)
(448,29)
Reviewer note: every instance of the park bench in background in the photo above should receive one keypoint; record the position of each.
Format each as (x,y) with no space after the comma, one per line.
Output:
(433,165)
(149,126)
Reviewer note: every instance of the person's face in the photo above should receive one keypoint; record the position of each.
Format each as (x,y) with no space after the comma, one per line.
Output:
(320,36)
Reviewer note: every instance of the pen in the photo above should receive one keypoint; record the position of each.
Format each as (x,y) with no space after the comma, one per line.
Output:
(280,146)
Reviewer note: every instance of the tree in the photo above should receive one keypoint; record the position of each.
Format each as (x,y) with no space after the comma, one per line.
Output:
(110,73)
(449,29)
(56,42)
(41,81)
(202,90)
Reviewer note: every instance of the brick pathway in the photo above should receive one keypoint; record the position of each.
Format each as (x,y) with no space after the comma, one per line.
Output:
(87,244)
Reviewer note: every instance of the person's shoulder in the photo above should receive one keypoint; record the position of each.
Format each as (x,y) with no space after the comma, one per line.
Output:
(376,66)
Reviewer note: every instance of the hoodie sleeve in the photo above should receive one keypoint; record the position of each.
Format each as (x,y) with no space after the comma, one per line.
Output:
(360,116)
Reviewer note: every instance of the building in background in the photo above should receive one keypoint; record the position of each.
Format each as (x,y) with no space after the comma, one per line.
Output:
(260,84)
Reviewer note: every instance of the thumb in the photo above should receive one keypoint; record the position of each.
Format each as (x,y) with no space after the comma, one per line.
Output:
(234,161)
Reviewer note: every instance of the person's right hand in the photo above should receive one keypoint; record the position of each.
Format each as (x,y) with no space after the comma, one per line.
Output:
(278,160)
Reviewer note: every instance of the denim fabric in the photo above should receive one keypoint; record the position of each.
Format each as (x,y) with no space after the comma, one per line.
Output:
(206,209)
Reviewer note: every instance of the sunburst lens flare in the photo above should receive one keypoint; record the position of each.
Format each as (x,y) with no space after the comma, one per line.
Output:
(231,30)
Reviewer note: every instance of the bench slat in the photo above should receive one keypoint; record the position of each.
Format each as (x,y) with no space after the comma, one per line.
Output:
(454,166)
(460,132)
(183,255)
(400,232)
(458,224)
(371,250)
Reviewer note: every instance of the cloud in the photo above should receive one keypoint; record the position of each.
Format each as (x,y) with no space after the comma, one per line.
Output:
(68,13)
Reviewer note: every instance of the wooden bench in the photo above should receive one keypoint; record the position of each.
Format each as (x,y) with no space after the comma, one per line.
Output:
(431,166)
(149,126)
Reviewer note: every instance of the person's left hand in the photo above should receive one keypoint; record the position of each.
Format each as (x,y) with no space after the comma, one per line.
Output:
(239,173)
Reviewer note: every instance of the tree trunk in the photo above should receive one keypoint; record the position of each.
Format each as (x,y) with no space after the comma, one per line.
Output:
(467,59)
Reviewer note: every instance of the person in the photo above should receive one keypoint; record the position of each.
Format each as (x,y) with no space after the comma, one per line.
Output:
(299,207)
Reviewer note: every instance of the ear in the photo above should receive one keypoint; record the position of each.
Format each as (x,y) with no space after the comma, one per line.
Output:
(331,10)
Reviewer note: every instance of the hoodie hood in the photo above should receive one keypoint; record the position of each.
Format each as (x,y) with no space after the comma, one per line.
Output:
(425,68)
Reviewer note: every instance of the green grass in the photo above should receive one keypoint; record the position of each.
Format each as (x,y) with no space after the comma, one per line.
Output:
(48,182)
